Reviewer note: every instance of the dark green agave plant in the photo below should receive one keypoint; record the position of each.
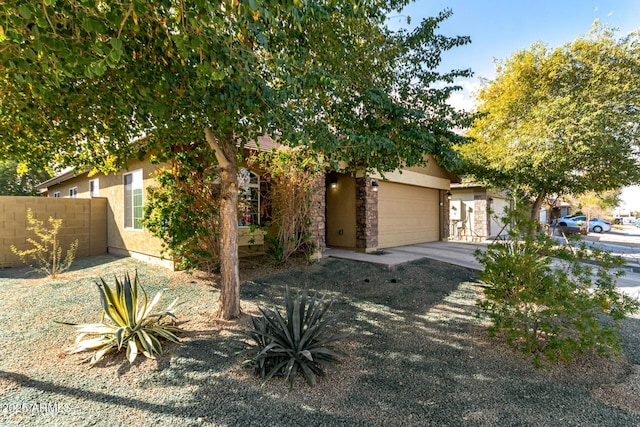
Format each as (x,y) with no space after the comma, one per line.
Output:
(297,341)
(132,323)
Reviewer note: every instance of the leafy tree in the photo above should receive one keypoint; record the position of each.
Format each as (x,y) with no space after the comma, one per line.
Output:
(13,183)
(97,83)
(560,121)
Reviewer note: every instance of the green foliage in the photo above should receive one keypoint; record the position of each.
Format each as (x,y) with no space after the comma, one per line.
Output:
(46,252)
(328,75)
(132,323)
(561,121)
(292,175)
(182,210)
(297,341)
(550,300)
(15,181)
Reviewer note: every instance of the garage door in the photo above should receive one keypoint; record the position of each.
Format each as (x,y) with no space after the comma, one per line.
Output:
(407,214)
(497,213)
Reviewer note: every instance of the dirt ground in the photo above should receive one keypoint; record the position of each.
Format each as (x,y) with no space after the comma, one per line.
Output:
(418,354)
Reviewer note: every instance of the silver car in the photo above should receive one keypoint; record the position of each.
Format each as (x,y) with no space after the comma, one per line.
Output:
(596,225)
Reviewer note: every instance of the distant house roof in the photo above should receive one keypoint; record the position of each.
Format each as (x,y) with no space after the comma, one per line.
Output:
(264,143)
(61,177)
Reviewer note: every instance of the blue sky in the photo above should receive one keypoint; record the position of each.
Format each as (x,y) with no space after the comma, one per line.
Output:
(499,28)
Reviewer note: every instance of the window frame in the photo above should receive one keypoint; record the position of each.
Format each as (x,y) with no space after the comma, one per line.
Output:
(129,207)
(95,192)
(56,195)
(73,192)
(255,185)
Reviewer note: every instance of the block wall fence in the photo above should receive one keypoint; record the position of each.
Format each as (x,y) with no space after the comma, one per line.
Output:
(82,219)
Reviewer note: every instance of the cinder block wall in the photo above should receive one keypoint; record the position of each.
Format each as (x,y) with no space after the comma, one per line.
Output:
(82,219)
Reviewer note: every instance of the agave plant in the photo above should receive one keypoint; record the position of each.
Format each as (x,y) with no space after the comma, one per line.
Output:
(132,323)
(295,342)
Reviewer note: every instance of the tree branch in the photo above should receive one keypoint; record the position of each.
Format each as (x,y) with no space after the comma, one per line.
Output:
(46,15)
(126,16)
(223,161)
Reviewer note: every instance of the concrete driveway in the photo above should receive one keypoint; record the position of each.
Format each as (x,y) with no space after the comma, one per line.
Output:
(457,253)
(462,254)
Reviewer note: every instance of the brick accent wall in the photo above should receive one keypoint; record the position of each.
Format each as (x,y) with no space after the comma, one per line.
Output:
(366,214)
(318,216)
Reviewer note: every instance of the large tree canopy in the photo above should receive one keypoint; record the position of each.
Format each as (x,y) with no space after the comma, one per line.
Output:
(91,83)
(565,120)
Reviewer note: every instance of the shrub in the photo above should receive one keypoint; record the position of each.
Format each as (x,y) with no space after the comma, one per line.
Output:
(551,300)
(133,324)
(47,253)
(295,342)
(292,175)
(183,210)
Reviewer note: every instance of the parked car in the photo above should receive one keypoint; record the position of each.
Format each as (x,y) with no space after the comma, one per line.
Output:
(596,225)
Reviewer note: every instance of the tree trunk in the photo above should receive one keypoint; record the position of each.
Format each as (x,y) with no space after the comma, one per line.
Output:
(537,204)
(229,305)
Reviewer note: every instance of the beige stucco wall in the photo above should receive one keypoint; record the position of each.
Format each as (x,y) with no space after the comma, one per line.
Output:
(120,240)
(341,212)
(140,244)
(83,219)
(431,168)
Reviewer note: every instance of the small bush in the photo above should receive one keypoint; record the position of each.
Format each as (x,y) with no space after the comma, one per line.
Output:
(295,342)
(551,300)
(133,324)
(47,253)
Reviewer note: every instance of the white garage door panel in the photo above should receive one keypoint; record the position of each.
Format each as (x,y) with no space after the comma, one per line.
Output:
(407,214)
(497,208)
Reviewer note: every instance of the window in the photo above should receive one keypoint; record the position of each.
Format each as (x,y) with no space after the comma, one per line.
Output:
(56,194)
(133,200)
(94,188)
(73,192)
(248,198)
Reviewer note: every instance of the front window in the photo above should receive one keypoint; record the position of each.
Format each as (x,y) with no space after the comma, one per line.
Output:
(73,192)
(94,188)
(248,198)
(133,200)
(56,194)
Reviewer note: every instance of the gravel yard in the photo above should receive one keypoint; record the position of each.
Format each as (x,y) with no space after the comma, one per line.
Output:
(418,356)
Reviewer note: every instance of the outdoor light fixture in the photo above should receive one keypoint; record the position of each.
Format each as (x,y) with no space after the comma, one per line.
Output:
(449,195)
(374,185)
(334,182)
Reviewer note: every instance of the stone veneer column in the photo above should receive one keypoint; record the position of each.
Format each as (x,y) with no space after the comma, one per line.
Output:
(317,214)
(445,225)
(366,215)
(481,217)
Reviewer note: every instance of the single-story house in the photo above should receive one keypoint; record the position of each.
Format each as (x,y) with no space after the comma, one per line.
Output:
(476,212)
(365,214)
(549,214)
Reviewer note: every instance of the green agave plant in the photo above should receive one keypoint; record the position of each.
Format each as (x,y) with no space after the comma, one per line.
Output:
(133,324)
(295,342)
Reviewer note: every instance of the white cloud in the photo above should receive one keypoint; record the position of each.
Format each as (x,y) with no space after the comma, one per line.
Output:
(465,99)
